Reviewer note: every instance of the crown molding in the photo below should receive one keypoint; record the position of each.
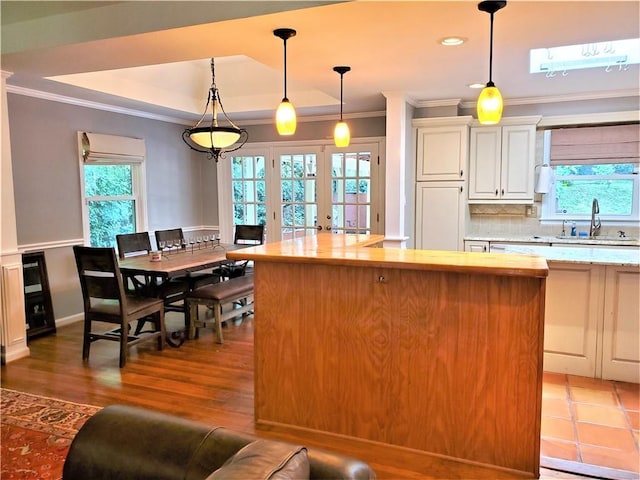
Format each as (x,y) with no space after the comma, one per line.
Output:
(563,98)
(448,102)
(54,97)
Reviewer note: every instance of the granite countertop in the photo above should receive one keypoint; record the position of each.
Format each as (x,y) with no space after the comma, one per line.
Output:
(549,239)
(595,256)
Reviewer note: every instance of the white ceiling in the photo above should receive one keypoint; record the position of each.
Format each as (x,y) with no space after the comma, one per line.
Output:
(154,56)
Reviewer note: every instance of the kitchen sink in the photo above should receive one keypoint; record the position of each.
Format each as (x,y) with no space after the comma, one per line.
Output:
(598,238)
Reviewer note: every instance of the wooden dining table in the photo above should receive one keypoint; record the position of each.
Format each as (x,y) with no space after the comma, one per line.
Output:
(177,263)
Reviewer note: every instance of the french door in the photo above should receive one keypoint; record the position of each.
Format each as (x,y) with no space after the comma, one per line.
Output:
(326,189)
(309,189)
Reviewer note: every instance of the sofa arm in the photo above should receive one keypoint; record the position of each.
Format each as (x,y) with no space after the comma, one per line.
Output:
(132,443)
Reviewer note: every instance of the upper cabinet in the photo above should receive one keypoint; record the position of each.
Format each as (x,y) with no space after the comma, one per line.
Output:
(502,161)
(442,148)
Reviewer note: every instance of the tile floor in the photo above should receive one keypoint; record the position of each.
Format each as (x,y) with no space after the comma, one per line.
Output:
(591,426)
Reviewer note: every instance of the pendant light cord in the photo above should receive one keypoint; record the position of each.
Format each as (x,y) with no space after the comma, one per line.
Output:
(491,53)
(341,77)
(285,70)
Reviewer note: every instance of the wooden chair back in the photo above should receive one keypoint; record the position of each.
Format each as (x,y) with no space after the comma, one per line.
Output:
(130,243)
(249,234)
(100,277)
(171,234)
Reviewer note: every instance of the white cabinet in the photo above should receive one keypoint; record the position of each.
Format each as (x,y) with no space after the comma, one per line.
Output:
(573,307)
(592,324)
(621,328)
(440,215)
(502,162)
(442,158)
(476,246)
(441,152)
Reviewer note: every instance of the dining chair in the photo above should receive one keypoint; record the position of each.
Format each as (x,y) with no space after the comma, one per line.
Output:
(194,279)
(172,292)
(244,235)
(105,300)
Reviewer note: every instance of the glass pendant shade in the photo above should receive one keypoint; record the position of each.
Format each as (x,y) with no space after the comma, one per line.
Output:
(286,121)
(213,139)
(490,102)
(490,105)
(341,134)
(220,137)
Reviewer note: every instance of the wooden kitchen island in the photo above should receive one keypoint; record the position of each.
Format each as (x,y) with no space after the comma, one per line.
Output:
(434,356)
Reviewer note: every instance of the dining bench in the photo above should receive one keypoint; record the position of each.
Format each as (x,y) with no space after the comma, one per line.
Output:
(237,292)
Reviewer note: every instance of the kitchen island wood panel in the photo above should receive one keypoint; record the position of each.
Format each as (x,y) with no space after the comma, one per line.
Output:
(440,363)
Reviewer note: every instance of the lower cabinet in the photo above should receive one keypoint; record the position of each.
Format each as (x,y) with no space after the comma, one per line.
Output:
(440,215)
(591,321)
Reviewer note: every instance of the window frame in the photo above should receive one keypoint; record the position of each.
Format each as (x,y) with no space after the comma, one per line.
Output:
(138,193)
(549,213)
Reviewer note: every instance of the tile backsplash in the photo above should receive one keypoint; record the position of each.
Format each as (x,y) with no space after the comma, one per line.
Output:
(513,220)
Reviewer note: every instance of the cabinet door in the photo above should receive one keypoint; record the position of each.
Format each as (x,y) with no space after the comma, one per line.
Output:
(518,162)
(620,346)
(441,153)
(476,246)
(484,168)
(440,215)
(574,300)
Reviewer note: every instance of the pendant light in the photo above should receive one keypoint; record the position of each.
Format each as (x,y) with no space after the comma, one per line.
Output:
(490,100)
(214,140)
(285,115)
(341,134)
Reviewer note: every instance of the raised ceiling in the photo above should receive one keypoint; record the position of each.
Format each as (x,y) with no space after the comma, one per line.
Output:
(154,56)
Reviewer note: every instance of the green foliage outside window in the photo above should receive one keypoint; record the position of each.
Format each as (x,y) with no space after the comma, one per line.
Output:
(109,190)
(577,185)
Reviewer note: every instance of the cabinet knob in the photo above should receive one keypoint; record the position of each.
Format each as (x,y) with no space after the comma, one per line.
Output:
(460,189)
(462,173)
(496,192)
(503,191)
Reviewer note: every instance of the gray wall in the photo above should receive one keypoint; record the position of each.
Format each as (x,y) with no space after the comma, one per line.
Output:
(181,184)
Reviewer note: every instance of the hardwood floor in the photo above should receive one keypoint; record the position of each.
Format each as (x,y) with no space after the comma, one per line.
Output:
(201,380)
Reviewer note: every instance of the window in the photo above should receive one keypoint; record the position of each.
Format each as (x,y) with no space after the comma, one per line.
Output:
(615,185)
(112,189)
(590,163)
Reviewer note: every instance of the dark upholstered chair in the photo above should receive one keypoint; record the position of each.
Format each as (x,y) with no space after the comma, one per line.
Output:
(105,300)
(244,235)
(194,279)
(132,443)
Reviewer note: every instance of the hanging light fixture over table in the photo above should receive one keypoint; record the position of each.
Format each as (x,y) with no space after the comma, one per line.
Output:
(490,100)
(341,134)
(213,139)
(286,121)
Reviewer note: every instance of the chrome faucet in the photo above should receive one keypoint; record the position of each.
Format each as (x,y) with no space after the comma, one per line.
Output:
(594,227)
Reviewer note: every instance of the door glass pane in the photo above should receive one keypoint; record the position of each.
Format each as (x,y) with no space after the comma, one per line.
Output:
(249,192)
(107,218)
(299,211)
(351,192)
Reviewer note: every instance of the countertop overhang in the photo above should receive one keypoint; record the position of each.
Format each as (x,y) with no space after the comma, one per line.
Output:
(358,250)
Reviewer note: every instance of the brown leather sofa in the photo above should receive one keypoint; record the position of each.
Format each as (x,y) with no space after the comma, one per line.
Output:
(121,442)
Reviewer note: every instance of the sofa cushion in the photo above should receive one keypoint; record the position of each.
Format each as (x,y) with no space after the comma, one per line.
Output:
(266,459)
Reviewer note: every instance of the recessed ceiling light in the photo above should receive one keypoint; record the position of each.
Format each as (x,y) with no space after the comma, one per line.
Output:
(476,85)
(452,41)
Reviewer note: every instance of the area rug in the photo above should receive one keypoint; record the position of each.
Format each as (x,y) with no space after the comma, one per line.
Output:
(35,434)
